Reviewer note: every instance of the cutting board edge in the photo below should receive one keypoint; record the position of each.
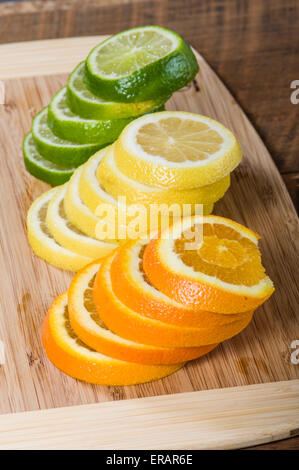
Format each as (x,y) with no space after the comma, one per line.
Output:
(195,420)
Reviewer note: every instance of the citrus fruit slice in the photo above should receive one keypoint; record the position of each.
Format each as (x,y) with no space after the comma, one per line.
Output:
(41,168)
(90,328)
(59,151)
(176,149)
(131,285)
(116,183)
(69,354)
(90,190)
(42,242)
(76,211)
(96,199)
(68,236)
(84,103)
(69,126)
(129,324)
(220,272)
(93,193)
(140,64)
(116,212)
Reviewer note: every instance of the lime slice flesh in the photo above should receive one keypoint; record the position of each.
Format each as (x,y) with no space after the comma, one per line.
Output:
(60,151)
(41,168)
(67,125)
(140,64)
(84,103)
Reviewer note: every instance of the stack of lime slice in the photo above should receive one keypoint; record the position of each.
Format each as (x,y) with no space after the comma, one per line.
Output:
(129,74)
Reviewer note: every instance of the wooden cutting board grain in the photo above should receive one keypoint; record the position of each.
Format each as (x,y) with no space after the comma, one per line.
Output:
(257,198)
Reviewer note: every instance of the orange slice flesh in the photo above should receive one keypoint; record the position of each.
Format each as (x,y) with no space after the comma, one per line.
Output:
(129,324)
(222,272)
(132,286)
(69,354)
(90,328)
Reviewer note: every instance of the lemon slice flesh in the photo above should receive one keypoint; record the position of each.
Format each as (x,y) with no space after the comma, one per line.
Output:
(42,242)
(69,236)
(176,149)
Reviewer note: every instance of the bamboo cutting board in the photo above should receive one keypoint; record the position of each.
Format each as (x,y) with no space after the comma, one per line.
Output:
(227,418)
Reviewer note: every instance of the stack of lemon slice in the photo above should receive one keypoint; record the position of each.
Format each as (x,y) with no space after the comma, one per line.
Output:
(164,166)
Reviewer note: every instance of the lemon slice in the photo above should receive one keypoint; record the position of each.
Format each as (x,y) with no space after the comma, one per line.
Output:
(42,242)
(90,190)
(175,149)
(76,211)
(68,235)
(96,199)
(117,183)
(119,214)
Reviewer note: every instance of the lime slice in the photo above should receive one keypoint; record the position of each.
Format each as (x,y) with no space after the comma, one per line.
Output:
(59,151)
(41,168)
(140,64)
(84,103)
(67,125)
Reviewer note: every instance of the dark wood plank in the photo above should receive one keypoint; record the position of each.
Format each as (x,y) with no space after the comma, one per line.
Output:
(285,444)
(291,181)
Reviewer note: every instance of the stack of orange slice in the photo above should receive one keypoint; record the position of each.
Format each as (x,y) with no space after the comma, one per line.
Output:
(153,304)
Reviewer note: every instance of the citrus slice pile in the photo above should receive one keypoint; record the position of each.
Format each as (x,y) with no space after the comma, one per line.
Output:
(102,206)
(132,286)
(132,325)
(70,236)
(195,284)
(89,326)
(43,243)
(131,73)
(55,239)
(153,304)
(117,183)
(84,103)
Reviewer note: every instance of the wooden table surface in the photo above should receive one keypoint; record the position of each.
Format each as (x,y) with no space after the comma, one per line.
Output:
(253,46)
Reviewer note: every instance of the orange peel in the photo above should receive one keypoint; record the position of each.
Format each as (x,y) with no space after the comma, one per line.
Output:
(90,328)
(132,287)
(223,274)
(129,324)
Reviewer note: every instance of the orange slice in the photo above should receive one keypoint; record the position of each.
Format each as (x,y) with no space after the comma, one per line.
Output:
(90,328)
(220,272)
(131,285)
(67,352)
(128,324)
